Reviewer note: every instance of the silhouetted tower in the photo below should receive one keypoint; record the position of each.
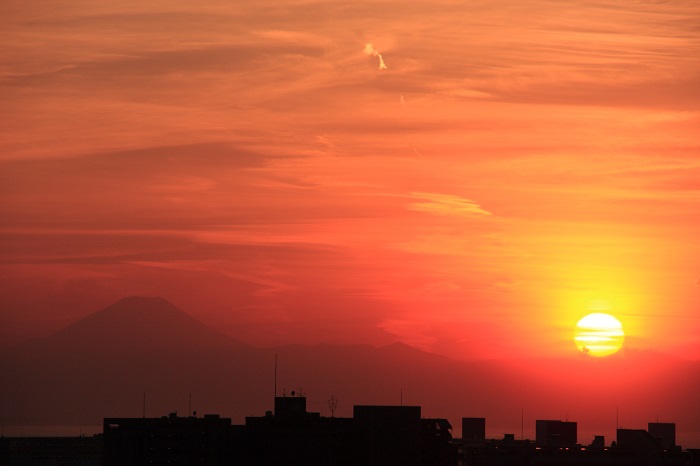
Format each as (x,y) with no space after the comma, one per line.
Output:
(665,432)
(473,430)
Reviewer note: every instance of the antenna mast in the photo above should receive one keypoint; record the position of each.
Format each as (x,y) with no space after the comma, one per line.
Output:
(274,399)
(275,374)
(332,405)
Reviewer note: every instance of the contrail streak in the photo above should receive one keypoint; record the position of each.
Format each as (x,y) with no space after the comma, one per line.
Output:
(370,50)
(416,151)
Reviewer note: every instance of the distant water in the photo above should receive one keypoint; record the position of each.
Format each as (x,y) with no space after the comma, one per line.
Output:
(50,431)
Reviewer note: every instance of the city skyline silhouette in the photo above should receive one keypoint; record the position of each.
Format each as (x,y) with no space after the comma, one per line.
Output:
(374,435)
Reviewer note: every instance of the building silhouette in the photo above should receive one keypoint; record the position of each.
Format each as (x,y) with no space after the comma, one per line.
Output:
(555,434)
(388,434)
(373,436)
(291,436)
(473,430)
(51,451)
(436,442)
(665,433)
(167,440)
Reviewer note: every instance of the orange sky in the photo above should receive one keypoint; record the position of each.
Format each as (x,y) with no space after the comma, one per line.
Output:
(515,166)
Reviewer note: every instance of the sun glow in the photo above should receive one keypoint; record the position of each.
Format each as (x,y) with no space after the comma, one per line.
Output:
(599,335)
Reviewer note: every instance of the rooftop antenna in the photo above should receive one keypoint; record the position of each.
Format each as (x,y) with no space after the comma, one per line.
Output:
(144,405)
(522,423)
(402,397)
(274,399)
(275,375)
(189,407)
(333,404)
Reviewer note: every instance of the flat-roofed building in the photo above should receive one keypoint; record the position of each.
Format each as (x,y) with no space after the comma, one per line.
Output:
(555,434)
(665,432)
(473,430)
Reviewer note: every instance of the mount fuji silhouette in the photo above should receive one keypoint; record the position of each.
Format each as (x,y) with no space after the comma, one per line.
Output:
(138,324)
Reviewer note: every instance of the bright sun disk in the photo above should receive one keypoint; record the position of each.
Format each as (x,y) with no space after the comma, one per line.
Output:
(599,335)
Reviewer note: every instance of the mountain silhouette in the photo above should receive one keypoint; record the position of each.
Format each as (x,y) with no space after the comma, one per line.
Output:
(102,365)
(137,324)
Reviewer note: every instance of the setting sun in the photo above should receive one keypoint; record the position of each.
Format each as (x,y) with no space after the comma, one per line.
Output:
(599,335)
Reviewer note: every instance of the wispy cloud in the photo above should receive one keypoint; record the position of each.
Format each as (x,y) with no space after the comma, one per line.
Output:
(446,204)
(467,94)
(370,50)
(187,184)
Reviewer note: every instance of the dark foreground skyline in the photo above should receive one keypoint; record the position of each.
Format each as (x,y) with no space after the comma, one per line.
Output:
(373,436)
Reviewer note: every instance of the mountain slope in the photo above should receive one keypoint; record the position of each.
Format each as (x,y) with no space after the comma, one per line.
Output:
(134,324)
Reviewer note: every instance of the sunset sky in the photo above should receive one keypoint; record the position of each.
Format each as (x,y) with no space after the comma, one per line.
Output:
(473,183)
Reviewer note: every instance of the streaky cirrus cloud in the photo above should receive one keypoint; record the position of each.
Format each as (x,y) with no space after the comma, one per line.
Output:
(446,204)
(370,50)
